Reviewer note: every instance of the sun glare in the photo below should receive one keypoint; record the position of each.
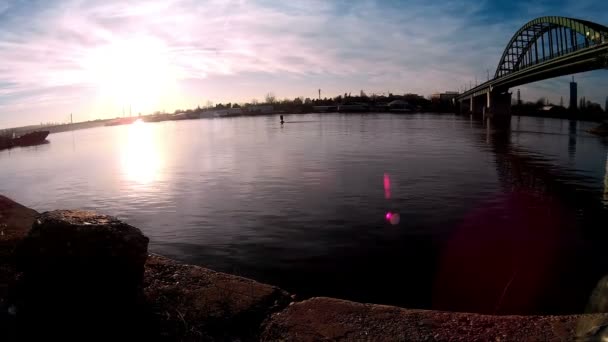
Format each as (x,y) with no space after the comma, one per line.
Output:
(141,159)
(133,74)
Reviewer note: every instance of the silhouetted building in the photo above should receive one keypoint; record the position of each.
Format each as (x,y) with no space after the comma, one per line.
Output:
(411,98)
(444,98)
(443,101)
(573,94)
(518,98)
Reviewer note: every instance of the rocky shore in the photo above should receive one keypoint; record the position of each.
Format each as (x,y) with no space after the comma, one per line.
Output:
(77,275)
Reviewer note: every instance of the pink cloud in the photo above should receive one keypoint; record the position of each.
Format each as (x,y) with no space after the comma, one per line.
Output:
(311,43)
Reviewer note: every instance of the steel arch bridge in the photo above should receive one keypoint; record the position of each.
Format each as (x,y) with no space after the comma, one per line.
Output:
(543,48)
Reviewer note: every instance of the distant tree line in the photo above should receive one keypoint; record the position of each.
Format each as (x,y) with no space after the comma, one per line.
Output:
(586,110)
(306,105)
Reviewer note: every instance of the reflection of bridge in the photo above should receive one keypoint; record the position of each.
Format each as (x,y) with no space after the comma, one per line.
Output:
(534,247)
(544,48)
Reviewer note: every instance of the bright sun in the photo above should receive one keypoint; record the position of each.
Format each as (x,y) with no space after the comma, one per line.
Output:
(133,75)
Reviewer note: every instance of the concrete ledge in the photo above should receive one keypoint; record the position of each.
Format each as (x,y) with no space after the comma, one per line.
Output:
(192,302)
(320,319)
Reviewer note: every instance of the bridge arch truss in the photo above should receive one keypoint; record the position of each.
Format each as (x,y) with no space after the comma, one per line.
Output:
(545,38)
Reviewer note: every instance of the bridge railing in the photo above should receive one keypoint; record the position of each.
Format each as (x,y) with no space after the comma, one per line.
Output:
(556,54)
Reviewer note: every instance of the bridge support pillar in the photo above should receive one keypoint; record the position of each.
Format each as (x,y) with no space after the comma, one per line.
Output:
(477,106)
(466,106)
(471,104)
(499,108)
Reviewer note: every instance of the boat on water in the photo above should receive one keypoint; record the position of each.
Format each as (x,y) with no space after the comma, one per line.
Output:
(28,139)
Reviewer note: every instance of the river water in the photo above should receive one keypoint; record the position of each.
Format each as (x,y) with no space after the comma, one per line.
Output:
(422,211)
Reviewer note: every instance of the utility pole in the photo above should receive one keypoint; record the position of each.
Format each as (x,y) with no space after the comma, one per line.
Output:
(488,73)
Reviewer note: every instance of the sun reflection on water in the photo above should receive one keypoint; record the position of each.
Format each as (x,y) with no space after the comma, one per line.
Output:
(141,158)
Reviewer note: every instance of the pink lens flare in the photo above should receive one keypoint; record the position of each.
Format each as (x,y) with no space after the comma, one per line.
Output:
(393,218)
(387,186)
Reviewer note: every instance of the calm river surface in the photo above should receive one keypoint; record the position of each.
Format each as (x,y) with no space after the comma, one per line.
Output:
(490,222)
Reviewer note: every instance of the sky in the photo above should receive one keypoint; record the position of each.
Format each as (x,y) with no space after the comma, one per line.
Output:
(103,58)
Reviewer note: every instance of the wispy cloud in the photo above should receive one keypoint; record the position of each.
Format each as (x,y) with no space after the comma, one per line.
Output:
(240,49)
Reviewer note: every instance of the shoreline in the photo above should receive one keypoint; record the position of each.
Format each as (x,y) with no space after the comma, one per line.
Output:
(194,303)
(150,119)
